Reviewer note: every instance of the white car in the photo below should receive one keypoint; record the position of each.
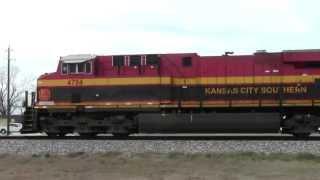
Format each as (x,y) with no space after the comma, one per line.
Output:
(13,127)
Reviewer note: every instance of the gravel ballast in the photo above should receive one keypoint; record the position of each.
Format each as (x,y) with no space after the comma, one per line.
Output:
(62,147)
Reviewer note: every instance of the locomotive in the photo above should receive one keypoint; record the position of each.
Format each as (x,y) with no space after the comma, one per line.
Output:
(266,92)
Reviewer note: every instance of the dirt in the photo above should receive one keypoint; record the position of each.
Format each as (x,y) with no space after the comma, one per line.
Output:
(80,166)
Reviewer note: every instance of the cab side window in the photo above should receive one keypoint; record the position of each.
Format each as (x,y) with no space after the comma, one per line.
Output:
(64,68)
(76,68)
(88,67)
(81,68)
(72,68)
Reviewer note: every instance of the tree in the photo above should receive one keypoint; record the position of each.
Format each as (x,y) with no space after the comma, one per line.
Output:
(17,88)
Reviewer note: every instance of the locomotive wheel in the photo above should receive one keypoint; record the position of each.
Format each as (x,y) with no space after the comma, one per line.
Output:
(301,135)
(123,135)
(3,131)
(302,125)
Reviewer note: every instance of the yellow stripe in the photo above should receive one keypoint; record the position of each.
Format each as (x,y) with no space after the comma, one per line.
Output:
(180,81)
(106,81)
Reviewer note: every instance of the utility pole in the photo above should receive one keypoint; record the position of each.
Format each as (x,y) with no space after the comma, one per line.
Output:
(8,95)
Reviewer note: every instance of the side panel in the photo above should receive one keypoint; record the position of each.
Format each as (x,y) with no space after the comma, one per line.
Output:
(196,93)
(210,123)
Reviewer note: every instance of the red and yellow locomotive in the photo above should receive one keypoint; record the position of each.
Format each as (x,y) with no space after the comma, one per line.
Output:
(180,93)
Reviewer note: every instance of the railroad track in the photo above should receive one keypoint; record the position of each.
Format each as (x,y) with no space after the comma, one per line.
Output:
(172,138)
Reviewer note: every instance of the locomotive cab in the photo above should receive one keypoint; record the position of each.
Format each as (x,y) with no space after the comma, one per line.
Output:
(72,69)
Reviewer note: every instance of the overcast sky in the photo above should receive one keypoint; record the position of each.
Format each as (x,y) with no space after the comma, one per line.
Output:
(41,31)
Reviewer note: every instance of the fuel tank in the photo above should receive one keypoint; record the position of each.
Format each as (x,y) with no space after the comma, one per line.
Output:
(209,123)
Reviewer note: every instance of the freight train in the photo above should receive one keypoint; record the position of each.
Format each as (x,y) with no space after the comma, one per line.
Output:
(266,92)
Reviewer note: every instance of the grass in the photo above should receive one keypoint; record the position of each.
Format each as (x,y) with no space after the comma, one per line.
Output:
(249,156)
(45,155)
(75,154)
(175,165)
(241,156)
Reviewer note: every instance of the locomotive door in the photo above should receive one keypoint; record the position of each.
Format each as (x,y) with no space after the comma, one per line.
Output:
(189,83)
(151,68)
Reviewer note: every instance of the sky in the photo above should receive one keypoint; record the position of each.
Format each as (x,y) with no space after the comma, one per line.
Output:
(40,31)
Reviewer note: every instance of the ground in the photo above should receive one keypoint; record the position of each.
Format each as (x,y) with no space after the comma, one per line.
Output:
(173,166)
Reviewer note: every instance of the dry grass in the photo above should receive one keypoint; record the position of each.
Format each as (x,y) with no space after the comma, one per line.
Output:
(170,166)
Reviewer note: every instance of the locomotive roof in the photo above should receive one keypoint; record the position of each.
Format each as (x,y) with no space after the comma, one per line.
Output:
(77,58)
